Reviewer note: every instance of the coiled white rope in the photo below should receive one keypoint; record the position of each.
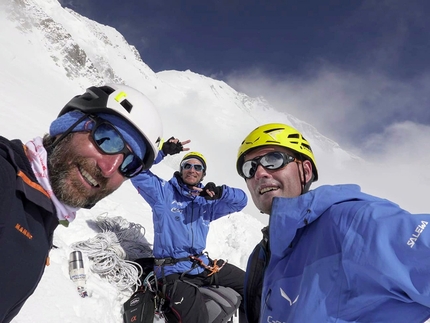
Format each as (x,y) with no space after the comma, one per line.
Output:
(109,249)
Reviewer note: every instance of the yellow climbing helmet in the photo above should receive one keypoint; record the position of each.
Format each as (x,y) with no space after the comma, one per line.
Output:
(199,156)
(276,134)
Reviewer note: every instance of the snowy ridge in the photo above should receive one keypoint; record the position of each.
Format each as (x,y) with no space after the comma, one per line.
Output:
(88,51)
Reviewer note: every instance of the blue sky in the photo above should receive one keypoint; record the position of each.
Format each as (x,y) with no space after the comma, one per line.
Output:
(350,68)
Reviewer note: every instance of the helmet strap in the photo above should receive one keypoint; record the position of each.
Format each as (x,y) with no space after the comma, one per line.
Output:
(307,186)
(304,185)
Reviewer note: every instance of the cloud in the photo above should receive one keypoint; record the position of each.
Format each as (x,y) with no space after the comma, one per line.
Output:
(406,142)
(370,73)
(348,107)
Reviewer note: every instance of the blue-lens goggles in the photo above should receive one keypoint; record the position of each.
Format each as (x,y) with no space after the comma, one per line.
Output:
(272,161)
(197,167)
(110,141)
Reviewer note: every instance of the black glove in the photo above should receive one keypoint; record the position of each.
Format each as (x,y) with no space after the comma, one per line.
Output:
(171,148)
(211,187)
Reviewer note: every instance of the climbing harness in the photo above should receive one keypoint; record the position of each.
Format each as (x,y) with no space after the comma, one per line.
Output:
(212,269)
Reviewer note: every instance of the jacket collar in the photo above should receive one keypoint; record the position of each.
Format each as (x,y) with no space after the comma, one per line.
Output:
(291,214)
(179,184)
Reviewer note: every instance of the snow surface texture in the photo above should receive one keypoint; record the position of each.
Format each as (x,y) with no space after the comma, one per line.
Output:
(49,54)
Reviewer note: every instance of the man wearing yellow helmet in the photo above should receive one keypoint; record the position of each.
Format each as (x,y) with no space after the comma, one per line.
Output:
(279,145)
(182,211)
(332,254)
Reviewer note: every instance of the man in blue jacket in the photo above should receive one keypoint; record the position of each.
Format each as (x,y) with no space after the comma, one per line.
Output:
(100,139)
(333,254)
(182,212)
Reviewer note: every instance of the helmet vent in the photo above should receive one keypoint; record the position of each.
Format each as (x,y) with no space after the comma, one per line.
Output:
(272,129)
(87,97)
(307,146)
(126,105)
(107,89)
(294,135)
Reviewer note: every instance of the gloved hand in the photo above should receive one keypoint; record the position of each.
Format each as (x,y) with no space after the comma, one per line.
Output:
(170,147)
(211,187)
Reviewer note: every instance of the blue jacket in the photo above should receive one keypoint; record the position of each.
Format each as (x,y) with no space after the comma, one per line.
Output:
(339,255)
(181,218)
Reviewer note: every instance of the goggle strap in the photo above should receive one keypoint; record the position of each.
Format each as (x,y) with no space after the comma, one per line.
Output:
(69,130)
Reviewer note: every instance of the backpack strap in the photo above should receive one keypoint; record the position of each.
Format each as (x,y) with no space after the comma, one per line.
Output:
(140,307)
(169,261)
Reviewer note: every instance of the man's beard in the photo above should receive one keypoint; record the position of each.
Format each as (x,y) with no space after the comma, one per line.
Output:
(62,159)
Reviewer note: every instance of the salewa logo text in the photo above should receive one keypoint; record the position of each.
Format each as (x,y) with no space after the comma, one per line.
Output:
(418,230)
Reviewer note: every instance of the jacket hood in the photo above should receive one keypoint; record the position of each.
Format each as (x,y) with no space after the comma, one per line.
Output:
(290,214)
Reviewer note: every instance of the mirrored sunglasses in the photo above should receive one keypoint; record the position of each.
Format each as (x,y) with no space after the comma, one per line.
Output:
(197,167)
(110,141)
(272,161)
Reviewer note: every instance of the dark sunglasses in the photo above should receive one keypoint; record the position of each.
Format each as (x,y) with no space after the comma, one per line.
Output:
(273,160)
(110,141)
(197,168)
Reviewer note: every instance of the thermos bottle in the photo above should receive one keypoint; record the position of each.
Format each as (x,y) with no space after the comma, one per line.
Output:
(77,272)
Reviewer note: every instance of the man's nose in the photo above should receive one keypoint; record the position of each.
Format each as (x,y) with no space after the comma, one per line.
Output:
(261,172)
(109,164)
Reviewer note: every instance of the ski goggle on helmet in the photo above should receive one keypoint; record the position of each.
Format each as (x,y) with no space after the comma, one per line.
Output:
(131,106)
(273,134)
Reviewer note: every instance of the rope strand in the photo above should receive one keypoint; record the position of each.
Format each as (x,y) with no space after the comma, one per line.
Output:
(110,249)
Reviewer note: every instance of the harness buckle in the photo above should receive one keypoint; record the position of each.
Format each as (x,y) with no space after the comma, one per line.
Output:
(160,261)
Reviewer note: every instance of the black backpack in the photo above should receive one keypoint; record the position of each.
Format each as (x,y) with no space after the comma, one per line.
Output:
(222,302)
(140,308)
